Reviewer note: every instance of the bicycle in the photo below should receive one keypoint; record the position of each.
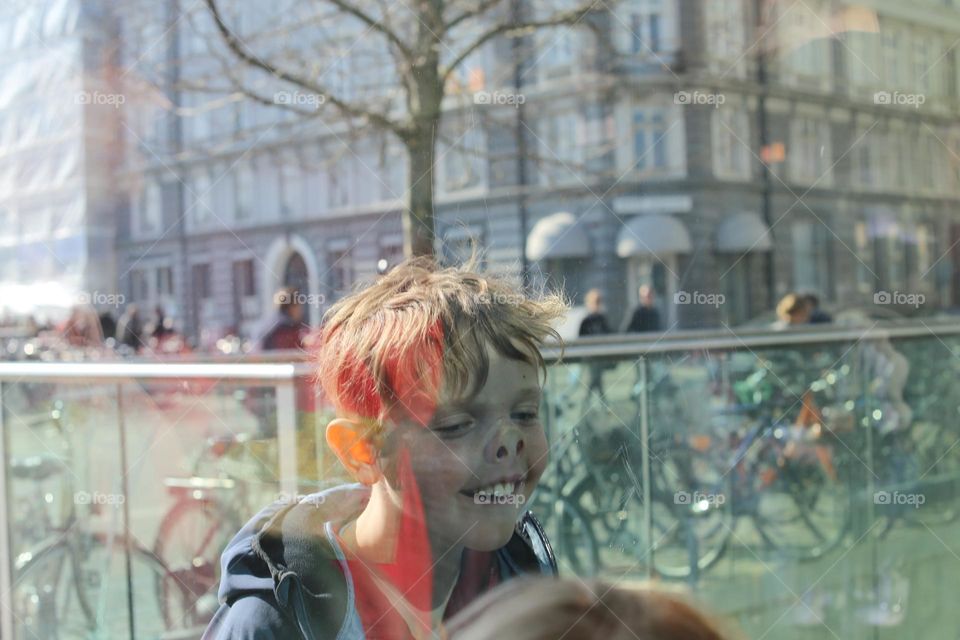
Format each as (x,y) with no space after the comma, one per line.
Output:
(68,586)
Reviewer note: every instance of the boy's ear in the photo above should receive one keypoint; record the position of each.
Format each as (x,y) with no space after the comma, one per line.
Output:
(350,441)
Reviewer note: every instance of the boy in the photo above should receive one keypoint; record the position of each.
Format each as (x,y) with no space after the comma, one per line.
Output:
(435,377)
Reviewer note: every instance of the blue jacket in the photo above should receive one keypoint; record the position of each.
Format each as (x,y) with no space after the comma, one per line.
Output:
(282,578)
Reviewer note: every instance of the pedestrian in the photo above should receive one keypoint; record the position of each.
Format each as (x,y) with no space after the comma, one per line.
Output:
(288,330)
(160,325)
(793,310)
(595,324)
(645,316)
(817,315)
(129,328)
(108,326)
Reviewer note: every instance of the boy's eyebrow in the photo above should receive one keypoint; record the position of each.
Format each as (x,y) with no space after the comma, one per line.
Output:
(524,393)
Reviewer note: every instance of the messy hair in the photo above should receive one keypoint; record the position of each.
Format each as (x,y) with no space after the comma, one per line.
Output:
(385,351)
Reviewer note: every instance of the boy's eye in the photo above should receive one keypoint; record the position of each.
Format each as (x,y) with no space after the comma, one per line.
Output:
(526,417)
(455,429)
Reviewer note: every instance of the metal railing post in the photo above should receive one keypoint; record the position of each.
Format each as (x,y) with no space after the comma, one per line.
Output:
(645,464)
(287,435)
(6,568)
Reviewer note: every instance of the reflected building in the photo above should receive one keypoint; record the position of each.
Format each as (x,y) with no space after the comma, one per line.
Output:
(682,153)
(58,153)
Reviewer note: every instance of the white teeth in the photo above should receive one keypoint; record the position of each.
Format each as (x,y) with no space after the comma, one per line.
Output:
(502,489)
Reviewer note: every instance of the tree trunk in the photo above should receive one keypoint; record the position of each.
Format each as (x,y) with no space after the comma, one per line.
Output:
(418,224)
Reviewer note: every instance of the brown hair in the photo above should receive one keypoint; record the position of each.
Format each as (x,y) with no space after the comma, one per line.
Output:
(393,344)
(549,608)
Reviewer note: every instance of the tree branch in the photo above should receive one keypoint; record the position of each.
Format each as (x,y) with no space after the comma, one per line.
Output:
(568,18)
(376,25)
(349,110)
(482,7)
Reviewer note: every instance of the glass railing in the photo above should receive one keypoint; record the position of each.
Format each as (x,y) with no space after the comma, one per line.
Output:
(804,484)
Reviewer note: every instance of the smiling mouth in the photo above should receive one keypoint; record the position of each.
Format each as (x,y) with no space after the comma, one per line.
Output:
(504,488)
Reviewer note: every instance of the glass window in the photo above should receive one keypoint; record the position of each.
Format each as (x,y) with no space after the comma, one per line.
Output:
(649,139)
(339,270)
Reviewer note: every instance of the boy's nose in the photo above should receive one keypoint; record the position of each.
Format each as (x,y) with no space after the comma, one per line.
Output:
(504,450)
(507,443)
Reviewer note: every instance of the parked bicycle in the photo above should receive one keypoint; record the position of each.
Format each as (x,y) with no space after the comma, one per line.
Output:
(81,583)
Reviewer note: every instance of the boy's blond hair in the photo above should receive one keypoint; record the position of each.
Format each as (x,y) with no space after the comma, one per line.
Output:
(390,346)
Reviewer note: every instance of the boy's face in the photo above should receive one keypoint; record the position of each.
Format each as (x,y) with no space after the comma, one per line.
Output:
(480,459)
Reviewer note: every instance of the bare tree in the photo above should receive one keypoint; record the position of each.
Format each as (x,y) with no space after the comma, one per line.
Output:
(423,41)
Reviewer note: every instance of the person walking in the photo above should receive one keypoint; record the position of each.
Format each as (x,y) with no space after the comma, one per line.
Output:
(646,316)
(288,330)
(595,324)
(129,329)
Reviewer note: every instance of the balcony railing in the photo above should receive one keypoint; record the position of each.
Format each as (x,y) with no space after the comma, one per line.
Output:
(794,479)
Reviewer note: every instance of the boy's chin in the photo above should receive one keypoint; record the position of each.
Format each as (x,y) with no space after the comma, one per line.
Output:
(489,536)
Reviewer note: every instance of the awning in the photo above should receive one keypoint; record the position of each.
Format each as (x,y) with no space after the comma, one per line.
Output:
(652,235)
(743,232)
(558,236)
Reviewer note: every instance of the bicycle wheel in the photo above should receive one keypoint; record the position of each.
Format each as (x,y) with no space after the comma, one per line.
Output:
(47,603)
(692,518)
(936,453)
(801,507)
(569,532)
(190,540)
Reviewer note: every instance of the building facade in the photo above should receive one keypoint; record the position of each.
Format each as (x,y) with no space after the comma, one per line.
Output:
(58,154)
(685,153)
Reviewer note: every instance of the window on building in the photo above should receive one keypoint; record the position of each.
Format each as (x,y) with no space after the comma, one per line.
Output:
(600,138)
(649,139)
(139,286)
(291,185)
(561,145)
(459,242)
(809,151)
(202,287)
(731,140)
(811,257)
(338,176)
(463,163)
(245,184)
(646,26)
(725,29)
(267,192)
(245,302)
(391,251)
(339,269)
(165,281)
(198,196)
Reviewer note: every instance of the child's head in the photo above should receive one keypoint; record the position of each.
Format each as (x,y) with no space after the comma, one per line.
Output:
(545,608)
(442,365)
